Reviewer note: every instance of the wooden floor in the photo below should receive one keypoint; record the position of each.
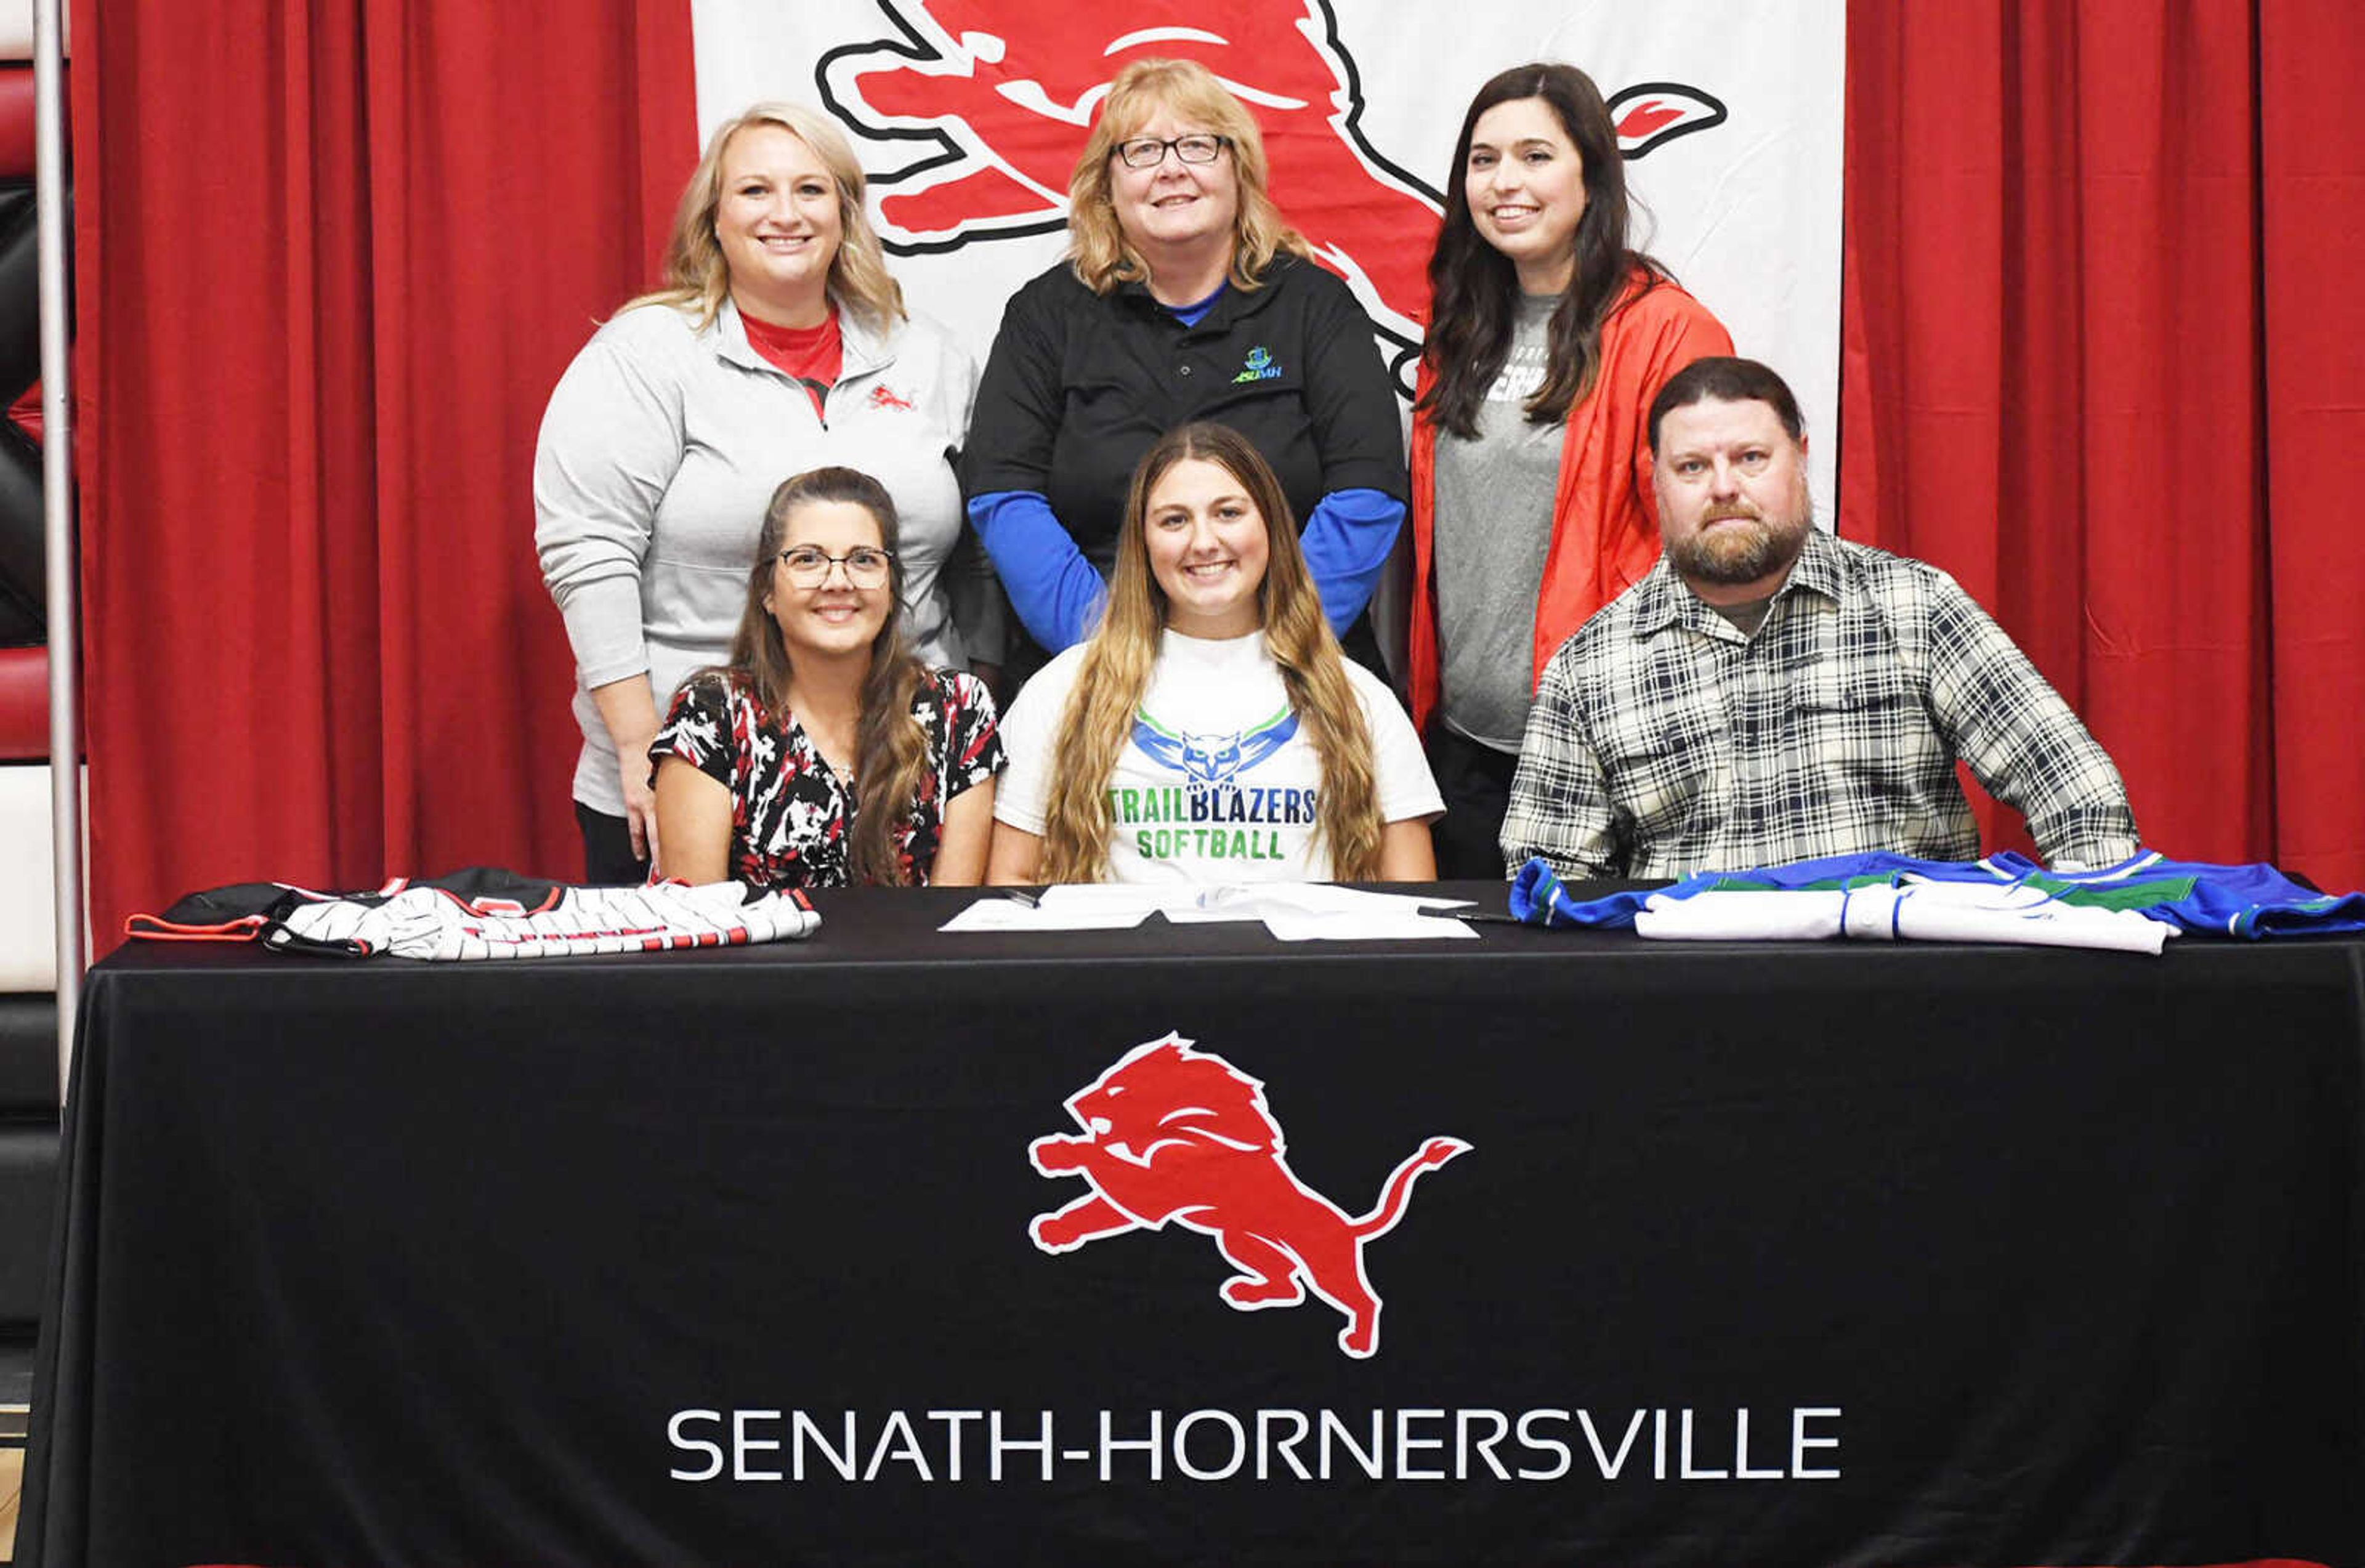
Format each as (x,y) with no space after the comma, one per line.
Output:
(12,1476)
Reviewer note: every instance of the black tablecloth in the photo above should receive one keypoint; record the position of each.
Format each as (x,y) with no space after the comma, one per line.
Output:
(1782,1254)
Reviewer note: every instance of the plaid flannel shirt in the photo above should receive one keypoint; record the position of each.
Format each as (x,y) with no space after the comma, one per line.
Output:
(1664,742)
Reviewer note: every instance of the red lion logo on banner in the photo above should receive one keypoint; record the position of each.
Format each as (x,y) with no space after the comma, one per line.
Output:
(1001,93)
(1174,1134)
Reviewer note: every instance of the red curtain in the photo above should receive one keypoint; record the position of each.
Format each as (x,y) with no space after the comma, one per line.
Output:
(2103,330)
(2102,346)
(332,254)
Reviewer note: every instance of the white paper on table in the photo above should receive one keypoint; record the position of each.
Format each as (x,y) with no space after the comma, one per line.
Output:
(1374,927)
(1319,912)
(1291,912)
(1009,914)
(1084,898)
(1078,907)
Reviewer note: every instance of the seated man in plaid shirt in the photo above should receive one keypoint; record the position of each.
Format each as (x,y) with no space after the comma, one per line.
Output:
(1769,693)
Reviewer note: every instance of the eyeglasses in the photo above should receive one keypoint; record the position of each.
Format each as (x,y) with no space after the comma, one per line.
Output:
(1149,151)
(808,564)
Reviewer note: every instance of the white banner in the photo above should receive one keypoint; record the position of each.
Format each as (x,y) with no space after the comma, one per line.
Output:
(969,114)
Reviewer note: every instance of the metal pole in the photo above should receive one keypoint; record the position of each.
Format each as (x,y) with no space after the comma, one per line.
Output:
(57,513)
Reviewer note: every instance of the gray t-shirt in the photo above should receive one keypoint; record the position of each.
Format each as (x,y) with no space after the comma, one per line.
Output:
(1747,616)
(1493,522)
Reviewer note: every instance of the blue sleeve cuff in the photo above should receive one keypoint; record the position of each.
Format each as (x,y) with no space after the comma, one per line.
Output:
(1347,541)
(1056,591)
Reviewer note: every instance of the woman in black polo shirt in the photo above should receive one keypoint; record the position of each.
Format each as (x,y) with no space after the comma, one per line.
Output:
(1185,295)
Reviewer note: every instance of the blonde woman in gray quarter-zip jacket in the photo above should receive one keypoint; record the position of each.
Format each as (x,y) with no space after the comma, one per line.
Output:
(671,429)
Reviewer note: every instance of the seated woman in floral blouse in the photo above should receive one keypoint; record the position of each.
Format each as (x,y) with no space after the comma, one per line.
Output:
(824,753)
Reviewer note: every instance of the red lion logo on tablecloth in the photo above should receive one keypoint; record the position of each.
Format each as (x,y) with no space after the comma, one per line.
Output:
(996,97)
(1174,1134)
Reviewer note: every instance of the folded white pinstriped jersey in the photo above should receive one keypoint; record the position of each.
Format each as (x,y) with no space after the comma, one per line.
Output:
(484,914)
(430,922)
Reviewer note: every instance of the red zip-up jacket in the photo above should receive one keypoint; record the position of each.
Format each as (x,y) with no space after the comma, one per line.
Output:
(1604,522)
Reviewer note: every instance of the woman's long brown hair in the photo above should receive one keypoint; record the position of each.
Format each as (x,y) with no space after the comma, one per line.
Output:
(1474,289)
(890,749)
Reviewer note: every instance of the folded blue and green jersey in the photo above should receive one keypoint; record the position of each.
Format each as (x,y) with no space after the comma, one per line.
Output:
(2198,899)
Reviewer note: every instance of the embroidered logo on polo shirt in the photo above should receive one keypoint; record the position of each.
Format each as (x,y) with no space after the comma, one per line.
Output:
(1260,366)
(881,398)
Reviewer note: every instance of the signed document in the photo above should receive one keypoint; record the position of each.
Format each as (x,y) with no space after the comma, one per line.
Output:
(1293,911)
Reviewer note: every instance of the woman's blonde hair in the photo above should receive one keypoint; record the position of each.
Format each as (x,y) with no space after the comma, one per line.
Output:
(1096,244)
(891,750)
(698,277)
(1117,668)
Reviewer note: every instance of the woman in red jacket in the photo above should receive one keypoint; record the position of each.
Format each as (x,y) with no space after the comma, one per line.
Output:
(1548,338)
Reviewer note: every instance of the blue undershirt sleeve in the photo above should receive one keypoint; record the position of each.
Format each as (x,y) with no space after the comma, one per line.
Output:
(1056,591)
(1347,541)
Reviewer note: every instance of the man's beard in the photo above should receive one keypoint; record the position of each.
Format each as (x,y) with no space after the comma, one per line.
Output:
(1730,556)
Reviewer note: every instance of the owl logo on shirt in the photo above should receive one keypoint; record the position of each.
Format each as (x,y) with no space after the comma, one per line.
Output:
(1209,762)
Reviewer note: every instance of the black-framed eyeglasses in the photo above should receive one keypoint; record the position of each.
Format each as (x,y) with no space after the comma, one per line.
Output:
(1149,151)
(866,565)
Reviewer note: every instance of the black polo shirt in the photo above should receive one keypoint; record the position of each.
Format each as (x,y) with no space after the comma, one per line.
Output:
(1080,384)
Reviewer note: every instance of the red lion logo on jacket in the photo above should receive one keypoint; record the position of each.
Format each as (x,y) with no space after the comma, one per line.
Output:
(1174,1134)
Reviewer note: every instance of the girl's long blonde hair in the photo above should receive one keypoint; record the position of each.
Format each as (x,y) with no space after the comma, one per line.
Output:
(1117,662)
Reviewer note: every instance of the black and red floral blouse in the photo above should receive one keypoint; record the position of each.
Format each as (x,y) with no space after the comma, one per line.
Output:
(790,814)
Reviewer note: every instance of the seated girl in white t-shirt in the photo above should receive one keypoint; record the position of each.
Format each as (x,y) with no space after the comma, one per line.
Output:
(1210,731)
